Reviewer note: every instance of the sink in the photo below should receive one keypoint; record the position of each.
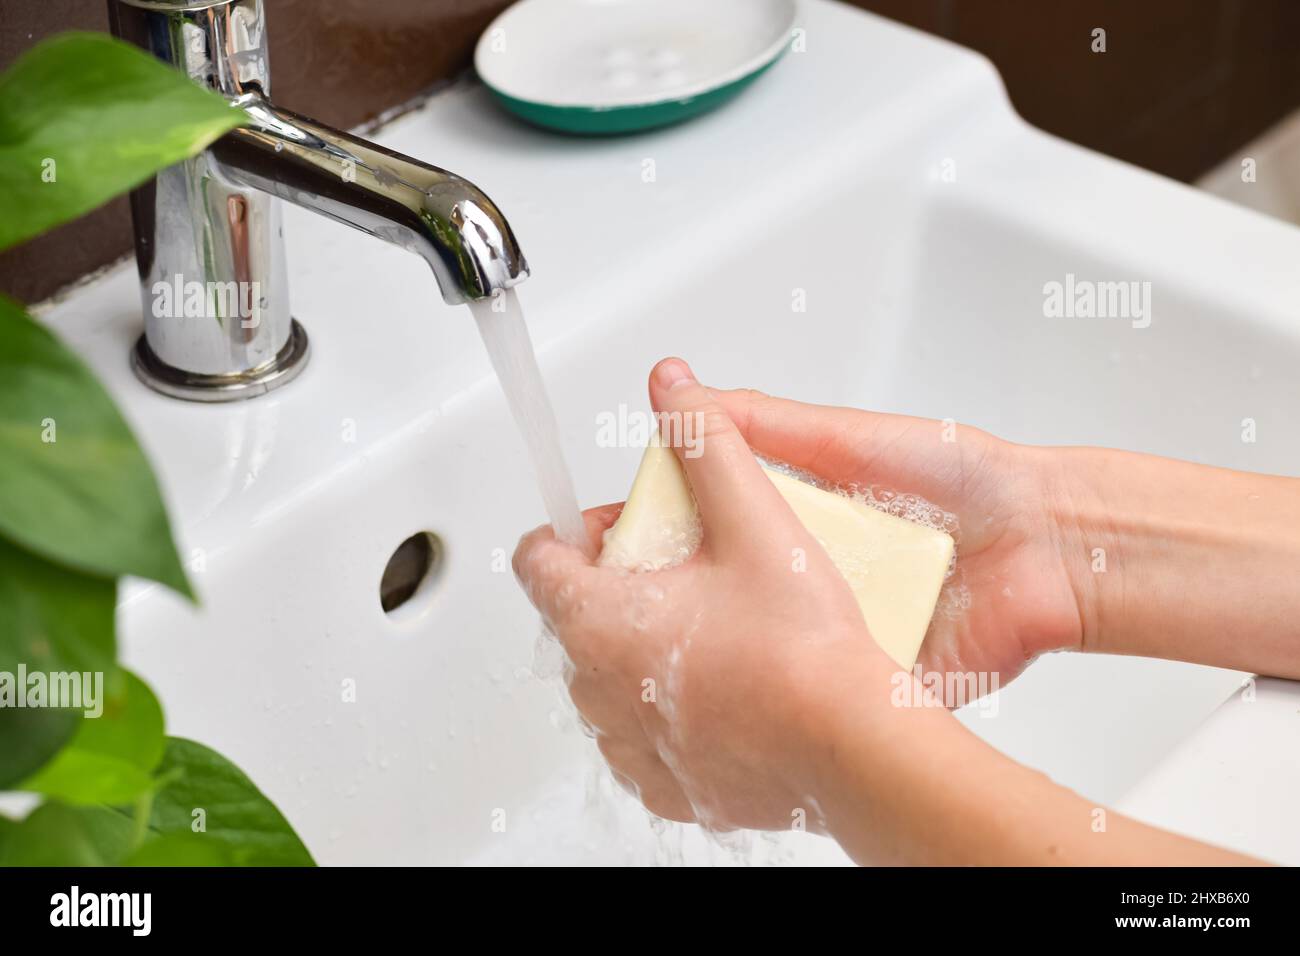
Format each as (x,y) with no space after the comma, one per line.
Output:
(920,218)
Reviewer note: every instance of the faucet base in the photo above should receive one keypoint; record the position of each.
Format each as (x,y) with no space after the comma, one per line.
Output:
(199,387)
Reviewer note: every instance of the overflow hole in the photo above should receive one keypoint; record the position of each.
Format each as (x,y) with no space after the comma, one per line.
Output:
(411,572)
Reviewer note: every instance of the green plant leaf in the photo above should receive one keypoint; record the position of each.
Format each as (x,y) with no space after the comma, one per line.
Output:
(52,619)
(130,728)
(29,738)
(111,757)
(240,826)
(238,818)
(86,778)
(84,117)
(7,827)
(184,849)
(75,487)
(57,835)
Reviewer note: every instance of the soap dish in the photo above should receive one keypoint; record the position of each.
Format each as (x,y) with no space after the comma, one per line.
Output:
(599,67)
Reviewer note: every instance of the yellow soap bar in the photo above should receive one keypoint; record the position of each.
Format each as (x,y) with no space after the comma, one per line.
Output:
(895,567)
(659,525)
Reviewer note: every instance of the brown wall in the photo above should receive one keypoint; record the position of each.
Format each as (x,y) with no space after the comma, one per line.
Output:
(1182,84)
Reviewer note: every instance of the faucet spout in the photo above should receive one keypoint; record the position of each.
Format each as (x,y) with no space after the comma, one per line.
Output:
(208,237)
(443,218)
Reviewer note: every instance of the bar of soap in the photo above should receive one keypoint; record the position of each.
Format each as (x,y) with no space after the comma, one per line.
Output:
(895,567)
(659,526)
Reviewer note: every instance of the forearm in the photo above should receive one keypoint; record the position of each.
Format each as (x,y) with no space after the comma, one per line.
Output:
(1180,561)
(915,787)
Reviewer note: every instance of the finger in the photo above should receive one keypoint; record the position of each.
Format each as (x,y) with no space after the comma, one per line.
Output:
(552,573)
(726,478)
(598,521)
(848,445)
(641,773)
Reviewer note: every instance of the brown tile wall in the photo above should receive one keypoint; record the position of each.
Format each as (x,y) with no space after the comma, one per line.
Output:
(1182,84)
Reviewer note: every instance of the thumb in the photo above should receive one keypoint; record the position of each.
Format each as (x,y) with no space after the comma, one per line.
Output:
(727,480)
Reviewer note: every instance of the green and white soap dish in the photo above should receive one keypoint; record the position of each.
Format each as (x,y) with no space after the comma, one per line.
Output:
(615,66)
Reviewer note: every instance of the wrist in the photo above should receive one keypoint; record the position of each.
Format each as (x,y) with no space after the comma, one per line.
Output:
(1090,534)
(875,753)
(900,783)
(1177,560)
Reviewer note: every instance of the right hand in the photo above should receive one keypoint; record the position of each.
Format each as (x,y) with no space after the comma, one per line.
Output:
(711,686)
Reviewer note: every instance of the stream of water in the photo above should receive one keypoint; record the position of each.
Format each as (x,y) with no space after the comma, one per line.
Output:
(501,324)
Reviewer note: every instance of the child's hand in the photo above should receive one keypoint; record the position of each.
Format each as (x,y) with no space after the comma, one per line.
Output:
(733,691)
(705,683)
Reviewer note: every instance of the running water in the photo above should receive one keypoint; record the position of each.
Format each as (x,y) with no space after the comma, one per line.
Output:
(501,324)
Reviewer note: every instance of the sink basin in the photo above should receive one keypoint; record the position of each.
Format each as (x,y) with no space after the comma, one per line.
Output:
(920,218)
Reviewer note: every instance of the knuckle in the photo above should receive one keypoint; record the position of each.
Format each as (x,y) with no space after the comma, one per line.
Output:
(608,748)
(617,754)
(759,400)
(714,422)
(667,803)
(625,782)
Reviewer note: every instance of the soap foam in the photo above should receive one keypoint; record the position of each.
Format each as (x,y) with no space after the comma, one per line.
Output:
(954,597)
(678,544)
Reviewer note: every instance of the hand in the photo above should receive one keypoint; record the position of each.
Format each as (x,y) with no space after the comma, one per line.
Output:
(1012,597)
(704,683)
(731,691)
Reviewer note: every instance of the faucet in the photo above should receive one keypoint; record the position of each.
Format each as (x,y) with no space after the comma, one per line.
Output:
(214,219)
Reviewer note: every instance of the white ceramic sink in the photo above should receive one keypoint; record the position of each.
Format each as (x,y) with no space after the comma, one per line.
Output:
(833,175)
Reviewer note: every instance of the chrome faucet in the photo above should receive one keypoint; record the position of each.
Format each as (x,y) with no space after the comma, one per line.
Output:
(214,220)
